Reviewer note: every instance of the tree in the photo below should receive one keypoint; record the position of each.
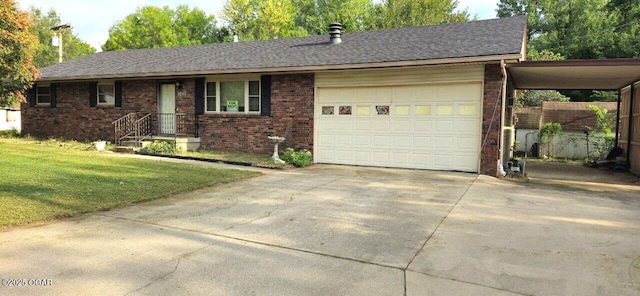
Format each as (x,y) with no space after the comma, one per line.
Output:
(46,54)
(580,29)
(548,132)
(412,13)
(263,19)
(153,27)
(316,15)
(17,47)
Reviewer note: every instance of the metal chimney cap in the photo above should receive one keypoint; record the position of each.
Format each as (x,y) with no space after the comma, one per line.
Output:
(335,33)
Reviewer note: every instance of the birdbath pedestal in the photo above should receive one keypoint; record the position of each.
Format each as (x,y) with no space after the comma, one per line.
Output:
(276,141)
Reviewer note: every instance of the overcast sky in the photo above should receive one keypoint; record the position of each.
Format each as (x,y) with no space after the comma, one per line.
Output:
(92,19)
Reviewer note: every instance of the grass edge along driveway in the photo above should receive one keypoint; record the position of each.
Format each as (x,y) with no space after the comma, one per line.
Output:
(44,180)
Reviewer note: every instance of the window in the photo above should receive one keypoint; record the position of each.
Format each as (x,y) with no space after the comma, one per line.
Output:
(210,102)
(327,110)
(106,94)
(43,95)
(363,110)
(13,115)
(402,110)
(345,110)
(444,110)
(242,96)
(423,110)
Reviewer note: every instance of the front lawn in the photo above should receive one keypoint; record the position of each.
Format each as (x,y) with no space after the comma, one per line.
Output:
(43,180)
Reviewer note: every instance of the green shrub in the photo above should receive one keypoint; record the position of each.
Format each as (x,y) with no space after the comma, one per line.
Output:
(300,159)
(161,147)
(12,133)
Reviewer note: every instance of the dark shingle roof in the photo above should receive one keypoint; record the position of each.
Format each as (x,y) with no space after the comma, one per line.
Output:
(455,40)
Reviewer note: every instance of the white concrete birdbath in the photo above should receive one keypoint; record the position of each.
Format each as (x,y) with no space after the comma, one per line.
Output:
(276,141)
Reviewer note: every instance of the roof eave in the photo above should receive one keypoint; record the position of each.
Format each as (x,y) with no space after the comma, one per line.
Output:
(509,58)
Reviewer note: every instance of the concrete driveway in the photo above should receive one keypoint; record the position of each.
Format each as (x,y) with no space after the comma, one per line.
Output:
(338,230)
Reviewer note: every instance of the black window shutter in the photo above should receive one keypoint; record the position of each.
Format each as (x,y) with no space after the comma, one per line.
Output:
(118,93)
(199,95)
(31,95)
(52,87)
(93,94)
(265,95)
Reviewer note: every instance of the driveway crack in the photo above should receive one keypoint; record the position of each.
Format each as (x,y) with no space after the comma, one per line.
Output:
(171,272)
(440,223)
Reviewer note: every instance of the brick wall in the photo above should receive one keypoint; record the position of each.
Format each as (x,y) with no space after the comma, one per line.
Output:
(73,118)
(291,117)
(491,120)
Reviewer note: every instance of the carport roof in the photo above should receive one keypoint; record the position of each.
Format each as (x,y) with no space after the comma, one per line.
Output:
(611,74)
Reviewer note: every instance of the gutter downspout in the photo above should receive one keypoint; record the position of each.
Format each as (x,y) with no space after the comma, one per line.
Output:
(632,93)
(617,119)
(503,95)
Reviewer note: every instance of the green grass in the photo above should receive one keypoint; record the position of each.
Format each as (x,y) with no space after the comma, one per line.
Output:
(43,180)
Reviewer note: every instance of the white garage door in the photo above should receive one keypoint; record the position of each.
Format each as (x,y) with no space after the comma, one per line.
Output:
(433,126)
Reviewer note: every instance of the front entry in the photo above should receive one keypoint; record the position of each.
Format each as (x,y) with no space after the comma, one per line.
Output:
(167,109)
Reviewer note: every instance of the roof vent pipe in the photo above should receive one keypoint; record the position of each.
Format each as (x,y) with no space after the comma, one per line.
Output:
(335,32)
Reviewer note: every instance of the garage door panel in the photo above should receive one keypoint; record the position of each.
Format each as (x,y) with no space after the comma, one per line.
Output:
(381,141)
(362,125)
(362,156)
(466,162)
(381,125)
(344,156)
(328,155)
(422,126)
(362,140)
(401,141)
(422,142)
(401,158)
(326,126)
(445,125)
(401,125)
(411,126)
(466,144)
(443,160)
(422,160)
(467,126)
(327,140)
(344,140)
(465,91)
(443,143)
(381,157)
(344,126)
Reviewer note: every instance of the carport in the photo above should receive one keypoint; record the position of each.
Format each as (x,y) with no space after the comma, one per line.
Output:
(621,75)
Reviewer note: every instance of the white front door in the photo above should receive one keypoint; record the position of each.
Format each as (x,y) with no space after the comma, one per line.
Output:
(167,109)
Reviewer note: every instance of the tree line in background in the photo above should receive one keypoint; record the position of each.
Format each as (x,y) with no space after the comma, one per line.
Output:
(576,29)
(557,29)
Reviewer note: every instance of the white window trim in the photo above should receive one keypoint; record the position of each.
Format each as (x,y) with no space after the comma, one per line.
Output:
(38,95)
(106,83)
(246,80)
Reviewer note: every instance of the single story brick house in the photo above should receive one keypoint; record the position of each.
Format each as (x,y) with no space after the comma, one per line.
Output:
(425,97)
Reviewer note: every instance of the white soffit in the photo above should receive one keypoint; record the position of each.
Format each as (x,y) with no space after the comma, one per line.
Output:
(613,74)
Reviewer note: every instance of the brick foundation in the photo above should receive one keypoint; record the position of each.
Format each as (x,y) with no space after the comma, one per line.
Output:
(491,120)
